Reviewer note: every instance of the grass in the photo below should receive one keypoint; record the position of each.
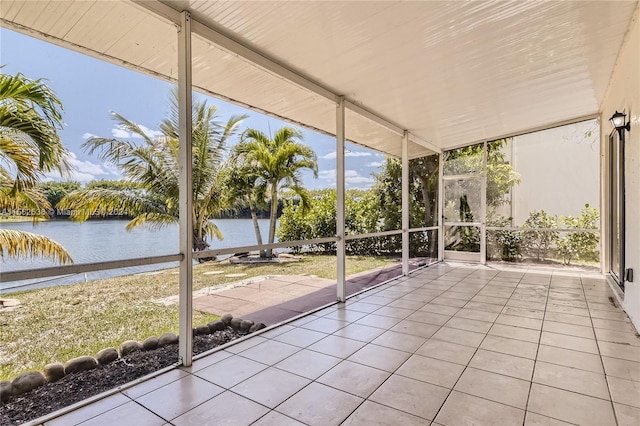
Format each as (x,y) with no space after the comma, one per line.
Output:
(60,323)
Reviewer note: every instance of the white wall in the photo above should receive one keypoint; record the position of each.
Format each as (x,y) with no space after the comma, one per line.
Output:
(624,94)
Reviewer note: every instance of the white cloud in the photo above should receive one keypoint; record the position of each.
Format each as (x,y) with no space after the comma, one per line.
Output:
(84,171)
(351,177)
(86,136)
(376,164)
(120,132)
(332,155)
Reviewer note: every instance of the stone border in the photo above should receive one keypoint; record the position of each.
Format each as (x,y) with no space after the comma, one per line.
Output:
(53,372)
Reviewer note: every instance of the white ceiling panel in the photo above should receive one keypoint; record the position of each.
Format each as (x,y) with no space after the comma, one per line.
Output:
(451,73)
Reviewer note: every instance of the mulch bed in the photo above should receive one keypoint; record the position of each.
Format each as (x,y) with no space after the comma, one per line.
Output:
(78,386)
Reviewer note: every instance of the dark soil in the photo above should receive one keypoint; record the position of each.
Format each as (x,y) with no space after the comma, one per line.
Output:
(78,386)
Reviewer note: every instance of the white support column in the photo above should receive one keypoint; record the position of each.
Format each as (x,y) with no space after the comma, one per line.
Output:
(405,203)
(483,209)
(340,194)
(185,182)
(440,207)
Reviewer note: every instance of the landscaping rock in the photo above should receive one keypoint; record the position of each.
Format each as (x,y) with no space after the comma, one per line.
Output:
(150,343)
(167,339)
(216,325)
(256,327)
(129,346)
(27,382)
(6,390)
(235,323)
(245,325)
(53,372)
(226,319)
(202,329)
(82,363)
(106,356)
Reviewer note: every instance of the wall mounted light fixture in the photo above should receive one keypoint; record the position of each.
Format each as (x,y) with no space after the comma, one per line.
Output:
(619,122)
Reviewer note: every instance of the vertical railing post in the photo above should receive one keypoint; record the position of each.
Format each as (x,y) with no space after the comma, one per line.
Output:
(483,208)
(340,199)
(405,203)
(441,207)
(185,182)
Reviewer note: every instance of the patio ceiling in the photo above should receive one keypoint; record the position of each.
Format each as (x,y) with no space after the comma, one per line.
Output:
(450,73)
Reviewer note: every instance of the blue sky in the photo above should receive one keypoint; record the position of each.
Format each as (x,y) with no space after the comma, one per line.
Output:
(90,89)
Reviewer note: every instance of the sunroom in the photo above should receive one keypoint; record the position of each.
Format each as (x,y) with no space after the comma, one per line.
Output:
(463,89)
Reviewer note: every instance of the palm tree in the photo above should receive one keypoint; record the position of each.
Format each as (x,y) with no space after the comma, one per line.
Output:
(275,164)
(30,116)
(152,165)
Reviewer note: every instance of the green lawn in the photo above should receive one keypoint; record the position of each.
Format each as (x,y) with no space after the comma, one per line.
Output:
(60,323)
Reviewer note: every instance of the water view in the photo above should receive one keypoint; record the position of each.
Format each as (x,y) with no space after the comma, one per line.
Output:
(99,241)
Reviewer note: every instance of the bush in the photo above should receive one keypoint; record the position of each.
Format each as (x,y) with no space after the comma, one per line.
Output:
(538,242)
(582,244)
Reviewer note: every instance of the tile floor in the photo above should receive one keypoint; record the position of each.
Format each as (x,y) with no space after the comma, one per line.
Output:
(448,345)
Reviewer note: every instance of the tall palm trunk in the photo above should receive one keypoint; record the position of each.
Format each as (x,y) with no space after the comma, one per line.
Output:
(273,217)
(256,227)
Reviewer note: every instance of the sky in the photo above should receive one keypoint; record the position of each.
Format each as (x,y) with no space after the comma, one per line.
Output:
(90,89)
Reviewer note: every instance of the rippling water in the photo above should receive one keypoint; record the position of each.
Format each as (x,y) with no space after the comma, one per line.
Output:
(99,241)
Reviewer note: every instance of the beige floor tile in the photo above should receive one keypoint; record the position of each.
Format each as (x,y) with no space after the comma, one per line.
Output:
(510,346)
(518,333)
(473,314)
(400,341)
(357,379)
(276,331)
(245,344)
(570,406)
(155,383)
(439,309)
(394,312)
(178,397)
(524,312)
(568,329)
(325,325)
(533,419)
(225,409)
(509,365)
(379,321)
(431,370)
(569,342)
(375,356)
(378,300)
(490,299)
(429,317)
(627,415)
(231,371)
(407,304)
(527,303)
(270,352)
(624,391)
(615,316)
(623,337)
(270,387)
(336,405)
(300,337)
(308,364)
(617,350)
(495,387)
(486,307)
(89,411)
(517,321)
(462,337)
(569,358)
(463,409)
(469,325)
(563,309)
(621,368)
(361,306)
(273,418)
(613,325)
(411,396)
(448,301)
(571,379)
(447,351)
(363,333)
(415,328)
(124,414)
(371,413)
(345,315)
(337,346)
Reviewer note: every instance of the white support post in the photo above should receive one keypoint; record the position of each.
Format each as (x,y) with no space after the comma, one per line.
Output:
(441,207)
(185,182)
(340,199)
(483,208)
(405,203)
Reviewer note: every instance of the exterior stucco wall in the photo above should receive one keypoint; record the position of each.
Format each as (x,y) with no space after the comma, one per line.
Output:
(623,94)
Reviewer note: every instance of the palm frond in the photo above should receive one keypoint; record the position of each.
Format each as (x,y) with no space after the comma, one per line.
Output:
(20,244)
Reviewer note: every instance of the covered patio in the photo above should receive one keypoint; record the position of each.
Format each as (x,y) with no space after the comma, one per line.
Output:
(453,343)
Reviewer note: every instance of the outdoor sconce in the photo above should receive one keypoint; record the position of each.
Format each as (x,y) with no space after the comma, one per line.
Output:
(618,120)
